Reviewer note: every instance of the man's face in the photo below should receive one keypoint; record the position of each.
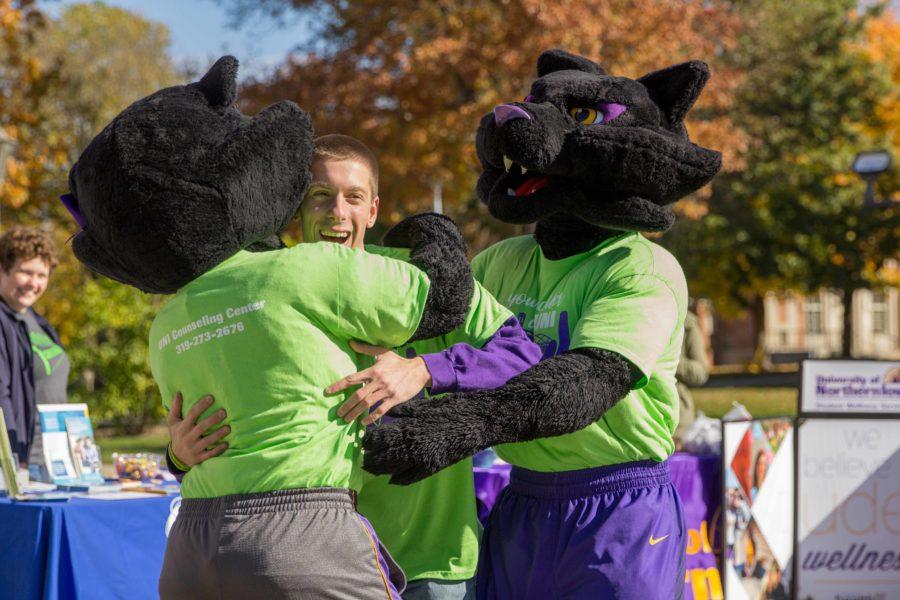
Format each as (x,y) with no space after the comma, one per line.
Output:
(24,283)
(339,206)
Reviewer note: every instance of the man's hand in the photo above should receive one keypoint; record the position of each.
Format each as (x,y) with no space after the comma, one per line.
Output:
(392,380)
(189,444)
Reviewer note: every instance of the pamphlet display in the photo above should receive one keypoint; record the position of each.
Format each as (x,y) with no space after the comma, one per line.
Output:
(758,508)
(71,457)
(85,452)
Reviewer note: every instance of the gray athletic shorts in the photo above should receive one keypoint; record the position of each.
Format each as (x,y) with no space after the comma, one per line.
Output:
(308,543)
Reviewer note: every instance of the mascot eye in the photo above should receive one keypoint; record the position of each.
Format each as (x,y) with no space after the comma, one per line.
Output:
(604,113)
(586,116)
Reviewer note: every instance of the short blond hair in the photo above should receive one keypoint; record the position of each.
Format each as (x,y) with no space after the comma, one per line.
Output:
(343,147)
(25,243)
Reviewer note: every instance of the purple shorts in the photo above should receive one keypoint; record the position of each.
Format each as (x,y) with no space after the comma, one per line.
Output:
(614,532)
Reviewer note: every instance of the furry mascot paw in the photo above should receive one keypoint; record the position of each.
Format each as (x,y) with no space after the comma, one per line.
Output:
(437,247)
(422,438)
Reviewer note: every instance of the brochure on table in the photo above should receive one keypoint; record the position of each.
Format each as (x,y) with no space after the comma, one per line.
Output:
(71,455)
(8,462)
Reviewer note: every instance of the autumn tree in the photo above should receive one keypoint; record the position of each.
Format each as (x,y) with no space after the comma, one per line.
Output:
(21,99)
(91,62)
(792,217)
(412,79)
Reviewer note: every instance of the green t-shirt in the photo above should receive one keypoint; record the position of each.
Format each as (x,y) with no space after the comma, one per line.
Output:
(431,527)
(627,295)
(265,333)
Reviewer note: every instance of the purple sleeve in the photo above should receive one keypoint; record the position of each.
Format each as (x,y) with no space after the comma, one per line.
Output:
(463,368)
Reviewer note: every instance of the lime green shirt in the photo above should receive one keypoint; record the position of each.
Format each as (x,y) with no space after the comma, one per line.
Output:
(626,295)
(265,333)
(431,527)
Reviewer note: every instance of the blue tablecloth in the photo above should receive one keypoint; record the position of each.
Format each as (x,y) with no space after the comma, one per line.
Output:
(83,548)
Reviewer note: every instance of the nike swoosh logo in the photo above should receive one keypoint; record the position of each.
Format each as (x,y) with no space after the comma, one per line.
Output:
(655,541)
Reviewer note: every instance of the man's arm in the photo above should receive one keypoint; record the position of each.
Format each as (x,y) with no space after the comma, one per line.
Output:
(610,356)
(393,379)
(560,395)
(464,368)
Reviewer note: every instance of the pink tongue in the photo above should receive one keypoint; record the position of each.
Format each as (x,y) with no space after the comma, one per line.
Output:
(531,185)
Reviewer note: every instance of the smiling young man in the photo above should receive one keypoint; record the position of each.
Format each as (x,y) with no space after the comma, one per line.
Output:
(431,528)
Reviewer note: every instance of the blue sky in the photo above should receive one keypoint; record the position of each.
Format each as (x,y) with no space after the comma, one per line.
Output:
(200,32)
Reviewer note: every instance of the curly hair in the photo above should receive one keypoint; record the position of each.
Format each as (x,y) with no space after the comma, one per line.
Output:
(25,243)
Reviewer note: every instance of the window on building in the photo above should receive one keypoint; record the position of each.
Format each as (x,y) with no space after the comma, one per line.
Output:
(879,312)
(813,308)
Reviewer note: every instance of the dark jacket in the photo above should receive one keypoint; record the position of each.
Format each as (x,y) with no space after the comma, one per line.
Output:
(17,378)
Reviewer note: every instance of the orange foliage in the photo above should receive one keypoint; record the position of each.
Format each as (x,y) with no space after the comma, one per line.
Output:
(412,79)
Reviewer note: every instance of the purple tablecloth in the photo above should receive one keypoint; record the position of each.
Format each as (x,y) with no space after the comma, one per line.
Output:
(698,480)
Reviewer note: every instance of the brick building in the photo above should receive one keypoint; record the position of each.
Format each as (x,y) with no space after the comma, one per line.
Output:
(797,326)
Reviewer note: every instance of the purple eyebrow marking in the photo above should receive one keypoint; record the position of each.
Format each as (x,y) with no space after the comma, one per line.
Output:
(71,203)
(611,110)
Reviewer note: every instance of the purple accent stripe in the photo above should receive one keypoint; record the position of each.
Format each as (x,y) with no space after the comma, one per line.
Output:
(589,482)
(394,577)
(71,203)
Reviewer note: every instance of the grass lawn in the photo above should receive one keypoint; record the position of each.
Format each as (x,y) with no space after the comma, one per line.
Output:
(714,402)
(154,439)
(761,402)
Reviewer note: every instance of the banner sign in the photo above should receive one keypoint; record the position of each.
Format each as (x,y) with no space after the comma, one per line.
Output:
(850,386)
(848,518)
(698,480)
(758,508)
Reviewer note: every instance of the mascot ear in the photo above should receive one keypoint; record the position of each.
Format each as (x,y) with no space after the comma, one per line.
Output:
(675,89)
(219,85)
(560,60)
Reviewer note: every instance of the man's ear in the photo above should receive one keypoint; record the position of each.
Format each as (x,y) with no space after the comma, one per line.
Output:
(373,212)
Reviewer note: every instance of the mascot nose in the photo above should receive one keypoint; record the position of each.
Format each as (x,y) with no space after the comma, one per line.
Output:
(508,112)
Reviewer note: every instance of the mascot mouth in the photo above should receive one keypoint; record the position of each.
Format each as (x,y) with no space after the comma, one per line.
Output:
(519,181)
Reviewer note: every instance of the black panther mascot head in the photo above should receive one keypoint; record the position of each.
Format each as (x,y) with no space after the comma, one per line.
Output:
(181,180)
(585,156)
(586,152)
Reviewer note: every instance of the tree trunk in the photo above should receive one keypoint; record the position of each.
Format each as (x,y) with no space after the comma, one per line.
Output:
(847,334)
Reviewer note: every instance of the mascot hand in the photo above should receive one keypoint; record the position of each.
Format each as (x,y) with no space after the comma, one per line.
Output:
(426,228)
(425,436)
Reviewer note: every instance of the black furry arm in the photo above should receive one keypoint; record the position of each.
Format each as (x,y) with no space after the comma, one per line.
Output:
(557,396)
(437,247)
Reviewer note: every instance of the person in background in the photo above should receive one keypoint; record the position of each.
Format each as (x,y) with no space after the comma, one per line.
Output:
(34,368)
(693,371)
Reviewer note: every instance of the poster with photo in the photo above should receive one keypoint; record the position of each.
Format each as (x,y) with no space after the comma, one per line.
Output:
(85,452)
(848,513)
(57,454)
(758,508)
